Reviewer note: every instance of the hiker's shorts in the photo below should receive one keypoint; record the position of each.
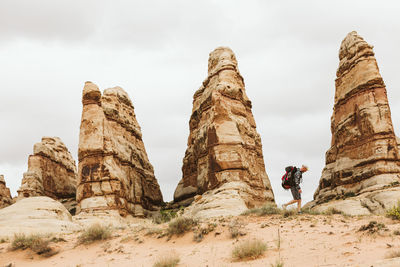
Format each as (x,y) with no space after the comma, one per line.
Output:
(295,193)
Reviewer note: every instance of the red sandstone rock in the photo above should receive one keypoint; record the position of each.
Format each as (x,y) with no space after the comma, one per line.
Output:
(224,150)
(5,195)
(51,172)
(363,164)
(114,172)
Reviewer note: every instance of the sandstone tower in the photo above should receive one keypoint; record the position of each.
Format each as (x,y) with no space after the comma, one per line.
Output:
(362,169)
(51,172)
(224,155)
(114,172)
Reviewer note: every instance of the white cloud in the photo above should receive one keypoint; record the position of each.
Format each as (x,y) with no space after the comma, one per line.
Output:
(158,51)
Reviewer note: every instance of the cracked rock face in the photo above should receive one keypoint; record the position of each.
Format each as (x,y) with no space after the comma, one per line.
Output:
(114,172)
(224,154)
(5,195)
(51,172)
(362,169)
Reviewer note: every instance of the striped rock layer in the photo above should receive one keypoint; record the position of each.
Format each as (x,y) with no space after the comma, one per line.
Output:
(114,172)
(362,169)
(224,161)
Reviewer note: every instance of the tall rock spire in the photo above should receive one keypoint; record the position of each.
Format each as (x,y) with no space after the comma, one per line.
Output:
(114,172)
(224,155)
(362,169)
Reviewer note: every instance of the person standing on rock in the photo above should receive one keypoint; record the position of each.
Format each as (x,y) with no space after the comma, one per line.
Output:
(295,188)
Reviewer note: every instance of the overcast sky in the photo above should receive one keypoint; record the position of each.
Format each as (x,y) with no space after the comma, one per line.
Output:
(157,51)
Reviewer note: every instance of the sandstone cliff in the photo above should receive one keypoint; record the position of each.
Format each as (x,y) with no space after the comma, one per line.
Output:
(224,160)
(5,195)
(51,172)
(362,169)
(114,172)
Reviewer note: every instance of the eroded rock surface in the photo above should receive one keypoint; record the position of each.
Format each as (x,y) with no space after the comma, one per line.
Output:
(114,172)
(51,172)
(5,194)
(224,152)
(362,171)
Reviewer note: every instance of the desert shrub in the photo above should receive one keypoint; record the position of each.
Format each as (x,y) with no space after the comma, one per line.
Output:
(203,231)
(331,211)
(153,231)
(394,212)
(250,249)
(372,227)
(165,216)
(35,242)
(394,183)
(181,225)
(393,254)
(167,261)
(94,233)
(310,212)
(396,232)
(267,209)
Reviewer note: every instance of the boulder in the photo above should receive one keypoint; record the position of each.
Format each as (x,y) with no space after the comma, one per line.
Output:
(5,195)
(362,172)
(114,172)
(51,172)
(36,215)
(223,160)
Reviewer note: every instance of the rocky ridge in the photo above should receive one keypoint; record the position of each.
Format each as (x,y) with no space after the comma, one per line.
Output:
(114,172)
(223,164)
(362,172)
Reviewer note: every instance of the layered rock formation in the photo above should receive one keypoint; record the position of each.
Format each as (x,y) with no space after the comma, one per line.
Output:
(51,172)
(5,195)
(224,160)
(114,172)
(362,169)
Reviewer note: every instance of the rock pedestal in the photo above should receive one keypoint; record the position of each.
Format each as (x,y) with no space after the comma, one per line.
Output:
(51,172)
(5,195)
(362,171)
(224,155)
(114,172)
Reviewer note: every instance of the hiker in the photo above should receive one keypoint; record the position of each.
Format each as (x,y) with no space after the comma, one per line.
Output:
(295,188)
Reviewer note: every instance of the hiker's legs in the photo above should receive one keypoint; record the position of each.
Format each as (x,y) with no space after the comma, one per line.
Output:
(290,203)
(298,205)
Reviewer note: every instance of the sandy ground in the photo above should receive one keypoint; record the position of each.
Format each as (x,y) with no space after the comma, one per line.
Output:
(301,240)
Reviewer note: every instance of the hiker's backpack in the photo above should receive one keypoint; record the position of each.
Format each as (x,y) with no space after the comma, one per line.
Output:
(288,177)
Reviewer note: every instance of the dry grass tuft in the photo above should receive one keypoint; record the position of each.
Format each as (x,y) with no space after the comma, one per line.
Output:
(250,249)
(181,225)
(267,209)
(167,261)
(94,233)
(35,242)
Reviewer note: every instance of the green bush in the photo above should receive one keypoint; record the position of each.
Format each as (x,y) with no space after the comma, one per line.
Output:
(94,233)
(394,212)
(250,249)
(180,225)
(165,216)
